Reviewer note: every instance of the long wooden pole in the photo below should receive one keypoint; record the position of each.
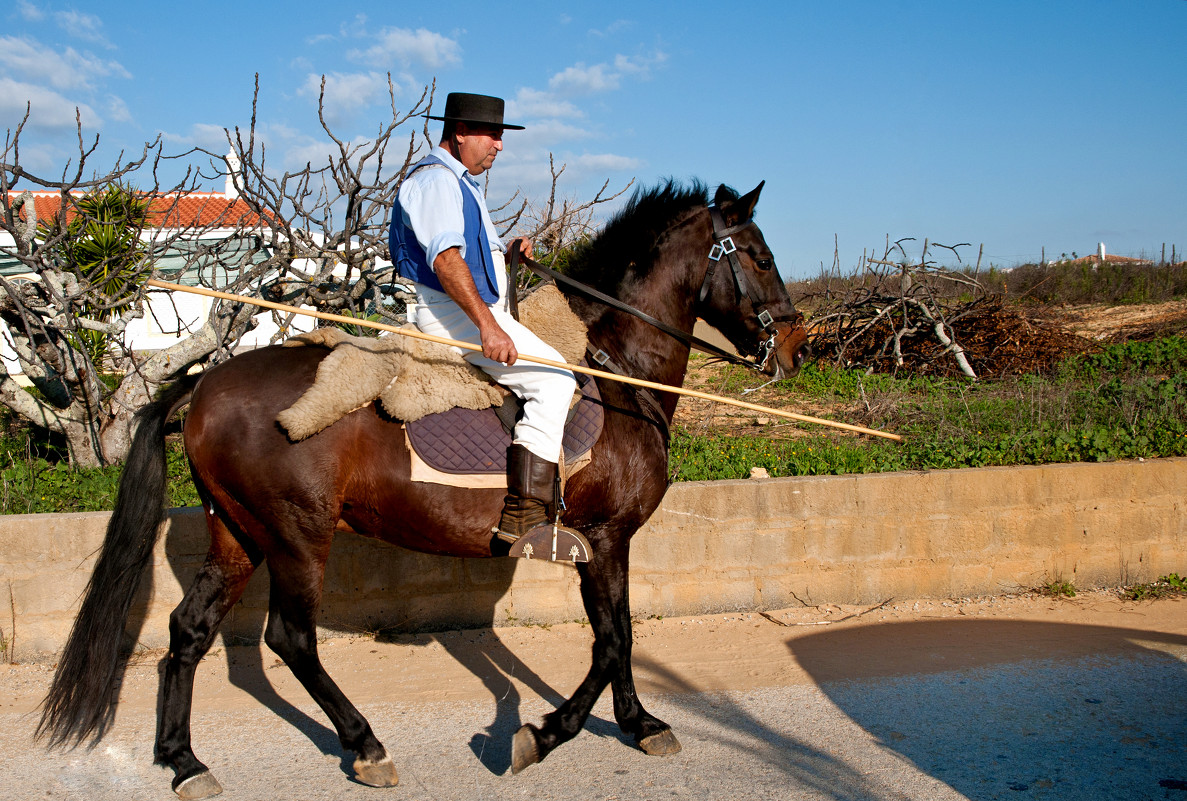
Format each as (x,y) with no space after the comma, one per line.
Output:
(415,334)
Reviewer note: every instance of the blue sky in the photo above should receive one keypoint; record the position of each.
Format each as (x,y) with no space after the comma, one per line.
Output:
(1020,125)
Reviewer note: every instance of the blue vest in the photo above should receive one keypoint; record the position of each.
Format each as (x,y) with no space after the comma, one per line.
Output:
(410,261)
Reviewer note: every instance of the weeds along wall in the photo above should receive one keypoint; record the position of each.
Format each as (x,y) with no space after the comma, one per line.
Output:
(712,546)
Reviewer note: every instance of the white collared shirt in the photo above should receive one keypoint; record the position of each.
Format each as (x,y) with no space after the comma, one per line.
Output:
(432,207)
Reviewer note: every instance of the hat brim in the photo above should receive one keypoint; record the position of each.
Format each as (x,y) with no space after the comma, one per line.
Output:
(487,123)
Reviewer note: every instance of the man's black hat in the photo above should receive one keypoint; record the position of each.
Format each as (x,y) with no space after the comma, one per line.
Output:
(475,110)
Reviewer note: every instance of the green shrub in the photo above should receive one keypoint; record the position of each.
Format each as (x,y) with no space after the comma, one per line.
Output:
(33,484)
(1169,585)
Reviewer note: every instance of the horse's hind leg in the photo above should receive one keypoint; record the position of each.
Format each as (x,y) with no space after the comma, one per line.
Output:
(604,592)
(292,634)
(192,628)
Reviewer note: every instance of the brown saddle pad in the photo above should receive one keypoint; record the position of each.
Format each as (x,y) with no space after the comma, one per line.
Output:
(466,441)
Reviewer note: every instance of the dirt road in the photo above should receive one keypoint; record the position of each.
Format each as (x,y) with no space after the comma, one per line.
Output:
(1012,697)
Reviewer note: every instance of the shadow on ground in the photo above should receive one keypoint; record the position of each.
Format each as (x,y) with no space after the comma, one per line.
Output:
(758,736)
(387,613)
(1015,710)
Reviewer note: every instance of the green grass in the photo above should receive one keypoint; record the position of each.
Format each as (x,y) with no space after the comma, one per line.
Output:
(1128,402)
(1169,585)
(38,480)
(1058,588)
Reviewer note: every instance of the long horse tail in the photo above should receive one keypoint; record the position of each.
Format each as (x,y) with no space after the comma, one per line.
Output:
(82,697)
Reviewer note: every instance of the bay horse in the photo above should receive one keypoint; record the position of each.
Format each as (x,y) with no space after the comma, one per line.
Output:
(270,499)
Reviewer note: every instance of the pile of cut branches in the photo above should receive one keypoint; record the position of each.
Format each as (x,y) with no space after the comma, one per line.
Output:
(913,316)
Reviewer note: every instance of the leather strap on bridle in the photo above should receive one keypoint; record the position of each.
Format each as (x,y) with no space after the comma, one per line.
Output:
(648,402)
(723,245)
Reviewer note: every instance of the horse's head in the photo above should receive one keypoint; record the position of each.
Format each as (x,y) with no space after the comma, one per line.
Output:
(742,295)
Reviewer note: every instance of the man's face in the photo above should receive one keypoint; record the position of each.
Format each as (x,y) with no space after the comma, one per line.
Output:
(478,146)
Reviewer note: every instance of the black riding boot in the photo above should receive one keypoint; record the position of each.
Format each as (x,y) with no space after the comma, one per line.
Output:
(531,483)
(530,522)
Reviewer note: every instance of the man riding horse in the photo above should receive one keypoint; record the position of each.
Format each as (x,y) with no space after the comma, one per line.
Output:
(270,500)
(442,239)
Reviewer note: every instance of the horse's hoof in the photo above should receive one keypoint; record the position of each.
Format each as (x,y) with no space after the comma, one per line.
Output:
(376,774)
(662,744)
(200,785)
(524,750)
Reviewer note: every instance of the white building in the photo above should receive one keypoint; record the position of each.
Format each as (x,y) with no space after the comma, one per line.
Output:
(219,220)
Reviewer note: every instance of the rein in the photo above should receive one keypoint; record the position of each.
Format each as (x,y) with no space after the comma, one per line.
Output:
(615,303)
(723,244)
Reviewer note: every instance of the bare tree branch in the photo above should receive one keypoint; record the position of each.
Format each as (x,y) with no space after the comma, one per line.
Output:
(896,300)
(313,234)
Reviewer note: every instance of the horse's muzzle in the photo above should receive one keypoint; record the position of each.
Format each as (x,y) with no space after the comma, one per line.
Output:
(791,352)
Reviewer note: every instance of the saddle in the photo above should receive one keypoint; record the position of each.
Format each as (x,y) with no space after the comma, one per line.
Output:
(468,447)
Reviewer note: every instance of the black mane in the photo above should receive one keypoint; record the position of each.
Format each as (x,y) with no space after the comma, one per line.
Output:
(625,242)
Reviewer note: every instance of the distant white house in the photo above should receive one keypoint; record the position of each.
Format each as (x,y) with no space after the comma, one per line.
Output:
(223,222)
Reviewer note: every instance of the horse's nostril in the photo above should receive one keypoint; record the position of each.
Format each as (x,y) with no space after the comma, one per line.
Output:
(802,355)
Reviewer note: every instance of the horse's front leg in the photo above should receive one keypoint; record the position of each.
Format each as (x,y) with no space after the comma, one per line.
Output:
(604,592)
(653,736)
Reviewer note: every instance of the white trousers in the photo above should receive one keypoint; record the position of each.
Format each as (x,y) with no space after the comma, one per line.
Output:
(546,391)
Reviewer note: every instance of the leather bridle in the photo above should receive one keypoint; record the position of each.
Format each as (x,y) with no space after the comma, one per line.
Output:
(723,245)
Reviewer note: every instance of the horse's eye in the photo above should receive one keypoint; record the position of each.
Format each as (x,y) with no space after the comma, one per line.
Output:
(765,264)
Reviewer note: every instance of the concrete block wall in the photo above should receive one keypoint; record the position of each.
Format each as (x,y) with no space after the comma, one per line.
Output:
(712,546)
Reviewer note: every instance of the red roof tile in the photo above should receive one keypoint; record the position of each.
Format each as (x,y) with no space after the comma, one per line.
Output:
(194,210)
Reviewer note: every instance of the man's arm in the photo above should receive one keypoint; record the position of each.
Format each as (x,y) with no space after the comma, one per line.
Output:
(454,275)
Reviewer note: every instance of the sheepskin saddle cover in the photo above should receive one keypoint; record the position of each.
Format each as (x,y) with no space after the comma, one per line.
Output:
(411,378)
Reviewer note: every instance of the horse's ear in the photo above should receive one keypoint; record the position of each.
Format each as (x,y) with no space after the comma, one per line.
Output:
(737,210)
